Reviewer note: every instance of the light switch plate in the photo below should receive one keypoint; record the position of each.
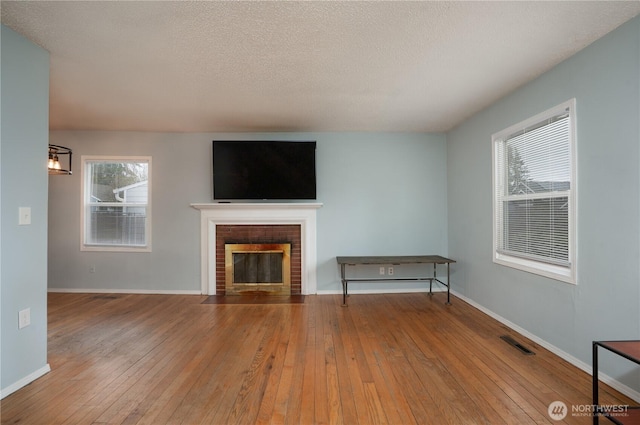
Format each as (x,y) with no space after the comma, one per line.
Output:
(24,216)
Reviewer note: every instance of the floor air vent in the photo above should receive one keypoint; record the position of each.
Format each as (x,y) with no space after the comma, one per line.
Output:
(104,297)
(522,348)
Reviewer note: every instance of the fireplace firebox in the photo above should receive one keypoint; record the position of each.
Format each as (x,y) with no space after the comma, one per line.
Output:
(264,268)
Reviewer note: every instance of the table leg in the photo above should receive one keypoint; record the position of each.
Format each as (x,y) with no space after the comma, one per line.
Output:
(448,285)
(595,383)
(431,280)
(344,285)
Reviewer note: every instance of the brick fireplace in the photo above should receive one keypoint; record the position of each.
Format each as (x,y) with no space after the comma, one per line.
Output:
(293,223)
(258,234)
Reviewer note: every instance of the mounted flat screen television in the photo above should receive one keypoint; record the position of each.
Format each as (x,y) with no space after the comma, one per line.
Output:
(264,170)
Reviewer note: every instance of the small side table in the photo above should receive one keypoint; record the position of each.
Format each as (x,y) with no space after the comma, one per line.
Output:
(630,350)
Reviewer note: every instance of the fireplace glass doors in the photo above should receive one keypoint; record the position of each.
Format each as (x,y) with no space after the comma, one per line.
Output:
(263,268)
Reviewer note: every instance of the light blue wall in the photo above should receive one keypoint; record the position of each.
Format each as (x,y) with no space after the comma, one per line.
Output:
(381,194)
(23,183)
(604,79)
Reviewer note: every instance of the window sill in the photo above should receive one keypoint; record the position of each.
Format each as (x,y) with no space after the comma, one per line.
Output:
(111,248)
(563,274)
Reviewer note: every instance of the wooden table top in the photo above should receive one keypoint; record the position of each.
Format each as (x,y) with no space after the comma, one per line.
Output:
(629,348)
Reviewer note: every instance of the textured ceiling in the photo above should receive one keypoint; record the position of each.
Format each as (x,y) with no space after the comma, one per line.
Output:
(210,66)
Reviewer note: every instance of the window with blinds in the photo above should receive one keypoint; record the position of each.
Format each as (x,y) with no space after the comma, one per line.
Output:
(116,210)
(534,194)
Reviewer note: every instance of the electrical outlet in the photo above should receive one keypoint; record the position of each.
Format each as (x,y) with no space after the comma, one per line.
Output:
(92,269)
(24,318)
(382,270)
(390,271)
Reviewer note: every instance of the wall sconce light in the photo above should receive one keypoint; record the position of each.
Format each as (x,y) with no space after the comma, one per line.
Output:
(54,166)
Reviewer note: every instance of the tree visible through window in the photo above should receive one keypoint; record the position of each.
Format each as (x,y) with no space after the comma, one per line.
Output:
(116,209)
(534,192)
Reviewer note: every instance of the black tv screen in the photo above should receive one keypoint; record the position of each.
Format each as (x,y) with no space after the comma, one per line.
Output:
(264,170)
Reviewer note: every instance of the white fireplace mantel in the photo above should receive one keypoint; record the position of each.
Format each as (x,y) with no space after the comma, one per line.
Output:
(213,214)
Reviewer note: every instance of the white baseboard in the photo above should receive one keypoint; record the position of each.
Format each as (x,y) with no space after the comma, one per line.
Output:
(127,291)
(24,381)
(617,385)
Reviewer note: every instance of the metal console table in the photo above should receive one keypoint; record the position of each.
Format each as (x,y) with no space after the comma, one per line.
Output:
(393,260)
(630,350)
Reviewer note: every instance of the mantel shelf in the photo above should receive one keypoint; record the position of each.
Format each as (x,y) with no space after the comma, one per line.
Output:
(256,205)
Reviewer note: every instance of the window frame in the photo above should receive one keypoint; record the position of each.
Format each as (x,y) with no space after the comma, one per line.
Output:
(563,273)
(85,176)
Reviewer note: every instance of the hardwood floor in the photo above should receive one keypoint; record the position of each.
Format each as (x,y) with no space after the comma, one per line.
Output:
(385,359)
